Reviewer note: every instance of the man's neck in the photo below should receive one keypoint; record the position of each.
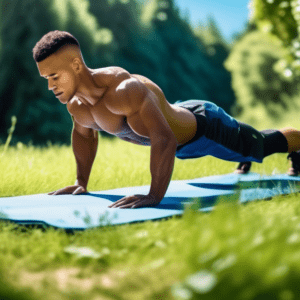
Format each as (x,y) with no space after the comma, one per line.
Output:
(89,91)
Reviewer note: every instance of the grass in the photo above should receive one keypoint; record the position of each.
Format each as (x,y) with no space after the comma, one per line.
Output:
(236,252)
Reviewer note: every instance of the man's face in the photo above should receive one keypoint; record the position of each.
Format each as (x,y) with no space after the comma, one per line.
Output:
(61,78)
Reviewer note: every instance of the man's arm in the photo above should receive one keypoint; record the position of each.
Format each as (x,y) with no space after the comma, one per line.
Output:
(84,143)
(163,149)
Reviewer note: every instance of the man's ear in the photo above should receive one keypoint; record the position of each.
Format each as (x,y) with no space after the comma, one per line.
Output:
(77,65)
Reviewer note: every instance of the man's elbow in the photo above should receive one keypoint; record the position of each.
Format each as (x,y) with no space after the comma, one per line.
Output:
(167,141)
(172,140)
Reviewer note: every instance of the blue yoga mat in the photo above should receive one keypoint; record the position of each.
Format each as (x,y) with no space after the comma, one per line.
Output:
(91,209)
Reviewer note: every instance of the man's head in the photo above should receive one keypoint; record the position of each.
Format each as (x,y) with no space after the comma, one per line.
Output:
(59,60)
(51,43)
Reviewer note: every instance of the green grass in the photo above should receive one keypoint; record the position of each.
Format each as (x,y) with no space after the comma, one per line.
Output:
(236,252)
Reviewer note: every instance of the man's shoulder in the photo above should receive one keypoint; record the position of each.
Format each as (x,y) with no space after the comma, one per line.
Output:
(108,75)
(109,70)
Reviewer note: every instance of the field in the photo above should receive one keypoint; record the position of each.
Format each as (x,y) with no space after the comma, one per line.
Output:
(236,252)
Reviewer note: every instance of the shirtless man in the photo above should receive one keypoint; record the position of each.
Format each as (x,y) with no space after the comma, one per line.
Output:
(135,109)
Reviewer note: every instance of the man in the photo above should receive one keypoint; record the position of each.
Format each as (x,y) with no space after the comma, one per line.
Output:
(135,109)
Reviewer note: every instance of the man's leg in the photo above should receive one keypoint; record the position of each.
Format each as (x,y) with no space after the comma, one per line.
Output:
(275,143)
(292,136)
(294,169)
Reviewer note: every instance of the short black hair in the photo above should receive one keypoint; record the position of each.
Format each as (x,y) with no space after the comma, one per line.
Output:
(51,42)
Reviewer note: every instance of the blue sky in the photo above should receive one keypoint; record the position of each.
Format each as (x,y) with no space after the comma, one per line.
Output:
(230,15)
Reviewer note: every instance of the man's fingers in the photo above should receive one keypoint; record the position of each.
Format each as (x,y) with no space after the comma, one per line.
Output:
(129,203)
(122,205)
(135,204)
(69,190)
(122,202)
(59,192)
(126,206)
(79,190)
(138,204)
(116,204)
(135,201)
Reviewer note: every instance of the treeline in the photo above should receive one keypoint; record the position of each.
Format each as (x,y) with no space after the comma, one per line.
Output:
(149,38)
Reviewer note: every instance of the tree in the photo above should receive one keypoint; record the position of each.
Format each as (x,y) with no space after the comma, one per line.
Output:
(261,91)
(282,19)
(217,50)
(19,83)
(210,34)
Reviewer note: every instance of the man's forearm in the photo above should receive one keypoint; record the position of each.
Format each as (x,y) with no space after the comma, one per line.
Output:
(161,166)
(85,149)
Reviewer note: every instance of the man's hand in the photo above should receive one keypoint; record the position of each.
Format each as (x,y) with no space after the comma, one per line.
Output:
(135,201)
(72,189)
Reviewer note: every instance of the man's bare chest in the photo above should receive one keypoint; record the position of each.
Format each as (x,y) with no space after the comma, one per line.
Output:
(97,117)
(100,118)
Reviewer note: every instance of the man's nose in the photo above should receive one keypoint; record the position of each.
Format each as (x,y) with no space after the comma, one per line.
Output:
(51,86)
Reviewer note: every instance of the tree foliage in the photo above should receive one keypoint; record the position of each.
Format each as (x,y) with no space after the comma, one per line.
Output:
(218,50)
(261,91)
(264,61)
(282,19)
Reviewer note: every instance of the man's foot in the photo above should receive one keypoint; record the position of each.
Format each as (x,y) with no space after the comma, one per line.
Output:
(243,168)
(294,170)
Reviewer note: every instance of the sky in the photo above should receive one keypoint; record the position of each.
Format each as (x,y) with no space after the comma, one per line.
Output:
(230,15)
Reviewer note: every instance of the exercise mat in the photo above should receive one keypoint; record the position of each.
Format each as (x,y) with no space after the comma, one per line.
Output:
(91,209)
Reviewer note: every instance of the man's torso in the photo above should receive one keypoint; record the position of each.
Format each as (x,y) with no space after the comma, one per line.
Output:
(106,116)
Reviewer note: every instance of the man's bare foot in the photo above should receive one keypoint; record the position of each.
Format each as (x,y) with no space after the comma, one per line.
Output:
(294,169)
(243,168)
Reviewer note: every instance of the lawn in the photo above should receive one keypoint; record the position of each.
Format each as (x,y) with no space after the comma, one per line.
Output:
(236,252)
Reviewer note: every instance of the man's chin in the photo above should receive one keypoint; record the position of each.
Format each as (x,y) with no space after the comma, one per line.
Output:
(69,99)
(66,101)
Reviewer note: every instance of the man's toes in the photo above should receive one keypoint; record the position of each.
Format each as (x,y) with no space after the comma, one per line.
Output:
(239,171)
(243,168)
